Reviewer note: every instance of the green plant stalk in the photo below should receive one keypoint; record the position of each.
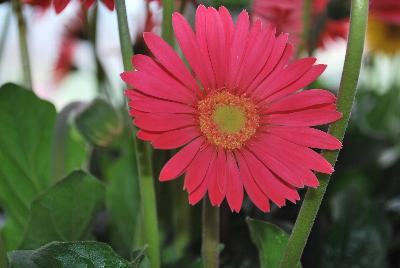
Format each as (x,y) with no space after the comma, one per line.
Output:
(210,235)
(167,34)
(4,32)
(346,95)
(307,18)
(23,45)
(146,184)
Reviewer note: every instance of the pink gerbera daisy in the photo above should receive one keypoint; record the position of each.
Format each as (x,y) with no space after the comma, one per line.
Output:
(240,117)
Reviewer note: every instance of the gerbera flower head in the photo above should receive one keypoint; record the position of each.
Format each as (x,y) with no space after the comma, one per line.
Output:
(239,115)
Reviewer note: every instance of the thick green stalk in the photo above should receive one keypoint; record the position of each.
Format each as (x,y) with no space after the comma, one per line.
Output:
(210,235)
(346,95)
(167,34)
(23,45)
(146,184)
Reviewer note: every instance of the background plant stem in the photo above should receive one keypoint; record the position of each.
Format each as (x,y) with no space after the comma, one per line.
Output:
(23,45)
(210,235)
(167,34)
(146,184)
(307,18)
(4,32)
(346,95)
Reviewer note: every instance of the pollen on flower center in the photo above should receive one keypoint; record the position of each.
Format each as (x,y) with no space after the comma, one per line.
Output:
(227,120)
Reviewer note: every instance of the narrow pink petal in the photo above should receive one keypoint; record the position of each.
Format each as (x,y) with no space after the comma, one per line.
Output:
(238,47)
(287,76)
(216,44)
(307,157)
(304,81)
(303,118)
(257,55)
(164,122)
(234,190)
(276,166)
(279,47)
(159,88)
(146,136)
(252,190)
(147,65)
(160,106)
(228,24)
(269,185)
(177,165)
(135,113)
(201,36)
(255,32)
(301,100)
(170,60)
(221,171)
(214,192)
(197,170)
(305,136)
(201,190)
(175,138)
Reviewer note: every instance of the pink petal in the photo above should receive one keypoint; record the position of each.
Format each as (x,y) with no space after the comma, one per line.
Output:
(238,47)
(164,122)
(171,61)
(160,106)
(304,81)
(146,136)
(305,136)
(199,62)
(234,190)
(201,36)
(175,138)
(307,157)
(302,100)
(197,170)
(159,88)
(177,165)
(276,166)
(252,190)
(216,44)
(303,118)
(287,76)
(279,47)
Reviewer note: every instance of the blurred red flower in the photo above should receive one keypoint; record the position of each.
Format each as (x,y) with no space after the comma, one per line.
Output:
(239,115)
(287,16)
(59,5)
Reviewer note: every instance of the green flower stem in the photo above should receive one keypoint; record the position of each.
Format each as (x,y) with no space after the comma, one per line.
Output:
(346,95)
(146,184)
(167,34)
(23,45)
(307,18)
(4,32)
(210,235)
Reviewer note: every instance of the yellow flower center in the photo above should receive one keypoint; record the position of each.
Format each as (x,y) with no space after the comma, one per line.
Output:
(227,120)
(383,37)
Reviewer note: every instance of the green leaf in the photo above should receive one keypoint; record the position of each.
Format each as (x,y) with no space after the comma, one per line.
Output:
(270,240)
(99,123)
(64,212)
(123,199)
(68,254)
(25,148)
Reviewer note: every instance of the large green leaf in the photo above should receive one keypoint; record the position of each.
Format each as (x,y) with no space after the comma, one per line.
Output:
(270,240)
(64,212)
(25,148)
(26,140)
(67,255)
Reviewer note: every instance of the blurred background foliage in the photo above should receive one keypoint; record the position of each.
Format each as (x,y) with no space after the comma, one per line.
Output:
(83,153)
